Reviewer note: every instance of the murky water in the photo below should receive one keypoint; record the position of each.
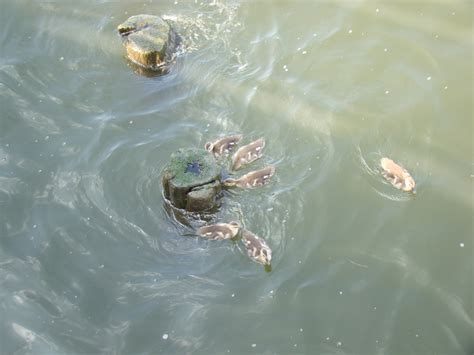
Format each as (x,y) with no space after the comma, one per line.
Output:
(90,261)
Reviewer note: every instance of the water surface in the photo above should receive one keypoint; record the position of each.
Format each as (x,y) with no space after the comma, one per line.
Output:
(91,262)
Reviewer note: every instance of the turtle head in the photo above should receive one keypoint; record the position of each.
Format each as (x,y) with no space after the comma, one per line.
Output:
(209,146)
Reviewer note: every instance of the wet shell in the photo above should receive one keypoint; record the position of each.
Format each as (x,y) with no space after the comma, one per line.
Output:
(257,248)
(397,175)
(223,145)
(248,153)
(253,179)
(219,231)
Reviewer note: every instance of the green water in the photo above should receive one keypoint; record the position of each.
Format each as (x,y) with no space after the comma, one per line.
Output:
(92,262)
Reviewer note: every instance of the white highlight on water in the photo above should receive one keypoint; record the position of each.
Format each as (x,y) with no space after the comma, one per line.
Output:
(24,333)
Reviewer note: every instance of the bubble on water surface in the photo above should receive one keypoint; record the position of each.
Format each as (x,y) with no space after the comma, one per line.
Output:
(165,336)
